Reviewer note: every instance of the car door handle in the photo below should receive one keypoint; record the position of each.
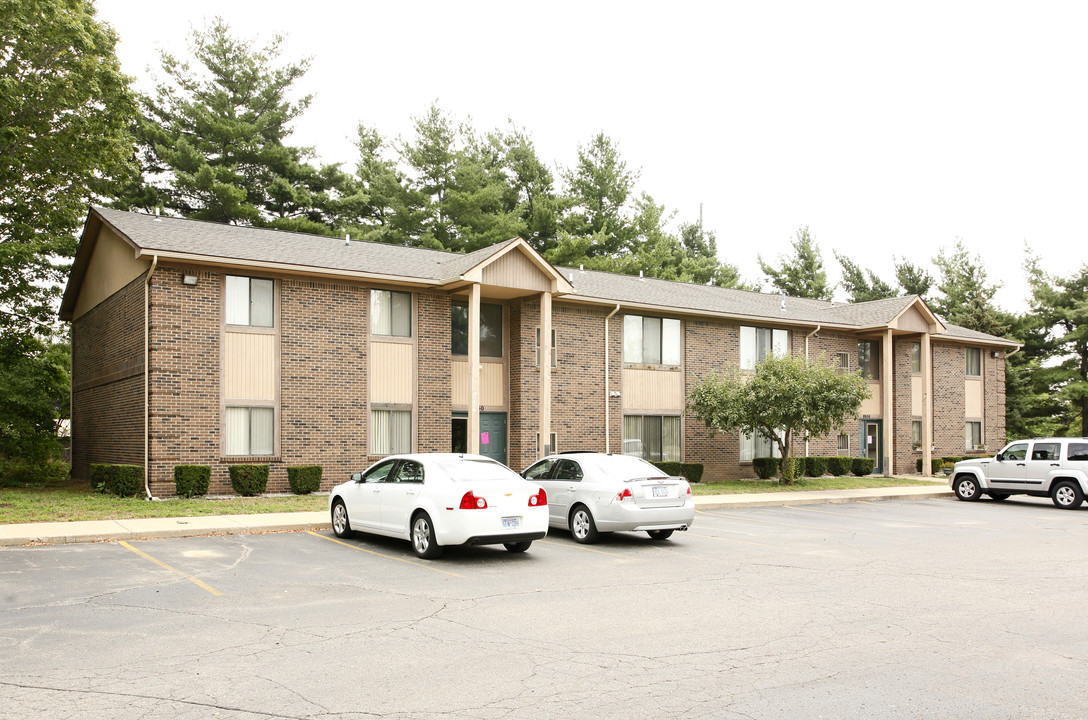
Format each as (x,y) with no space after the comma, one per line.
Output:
(1054,465)
(413,492)
(1019,464)
(375,490)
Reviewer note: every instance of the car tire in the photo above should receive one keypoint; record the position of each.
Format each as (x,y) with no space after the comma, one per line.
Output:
(423,540)
(1067,495)
(999,496)
(341,526)
(967,488)
(582,526)
(518,547)
(659,535)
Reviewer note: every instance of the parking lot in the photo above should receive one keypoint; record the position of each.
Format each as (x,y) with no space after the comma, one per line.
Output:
(897,609)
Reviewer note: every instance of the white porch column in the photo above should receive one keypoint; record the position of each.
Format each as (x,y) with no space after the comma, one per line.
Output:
(545,371)
(474,368)
(888,382)
(927,405)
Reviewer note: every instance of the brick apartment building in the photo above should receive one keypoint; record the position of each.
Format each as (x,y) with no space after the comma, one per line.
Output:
(286,349)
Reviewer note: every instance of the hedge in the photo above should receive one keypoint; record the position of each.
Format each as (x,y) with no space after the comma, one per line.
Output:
(839,466)
(815,466)
(123,480)
(934,465)
(862,466)
(765,467)
(192,480)
(304,479)
(692,471)
(249,479)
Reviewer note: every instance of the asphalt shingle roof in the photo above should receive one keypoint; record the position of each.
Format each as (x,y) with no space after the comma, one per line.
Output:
(246,244)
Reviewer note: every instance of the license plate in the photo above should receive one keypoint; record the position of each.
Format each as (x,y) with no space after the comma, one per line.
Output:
(661,491)
(511,522)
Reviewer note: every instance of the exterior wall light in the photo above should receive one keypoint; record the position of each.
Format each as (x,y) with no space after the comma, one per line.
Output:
(188,280)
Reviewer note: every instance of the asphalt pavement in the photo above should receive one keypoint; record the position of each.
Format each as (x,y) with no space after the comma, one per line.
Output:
(59,533)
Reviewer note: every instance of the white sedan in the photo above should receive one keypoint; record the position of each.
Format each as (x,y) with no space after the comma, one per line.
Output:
(439,499)
(591,493)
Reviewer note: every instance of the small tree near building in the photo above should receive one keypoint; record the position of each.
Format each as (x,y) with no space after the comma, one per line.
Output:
(787,396)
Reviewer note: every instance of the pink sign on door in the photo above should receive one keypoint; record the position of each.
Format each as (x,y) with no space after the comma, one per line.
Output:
(485,438)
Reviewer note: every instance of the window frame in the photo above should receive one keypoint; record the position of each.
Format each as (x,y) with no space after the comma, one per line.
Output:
(873,361)
(679,429)
(968,435)
(968,352)
(749,360)
(554,348)
(843,442)
(227,302)
(754,440)
(917,432)
(373,446)
(667,331)
(916,358)
(249,408)
(501,333)
(374,318)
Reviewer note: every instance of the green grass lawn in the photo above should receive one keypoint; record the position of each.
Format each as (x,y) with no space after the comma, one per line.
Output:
(74,502)
(844,482)
(78,502)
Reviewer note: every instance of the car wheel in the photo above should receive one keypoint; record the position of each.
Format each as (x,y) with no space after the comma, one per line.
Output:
(999,496)
(967,488)
(659,534)
(1067,495)
(340,523)
(582,526)
(423,541)
(518,547)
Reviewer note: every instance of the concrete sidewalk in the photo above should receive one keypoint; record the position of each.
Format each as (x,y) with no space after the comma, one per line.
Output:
(58,533)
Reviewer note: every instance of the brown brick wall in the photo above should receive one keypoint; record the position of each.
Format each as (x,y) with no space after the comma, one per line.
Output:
(993,378)
(108,382)
(435,392)
(948,399)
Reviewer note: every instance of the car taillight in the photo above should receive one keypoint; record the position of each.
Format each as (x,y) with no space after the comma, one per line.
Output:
(541,498)
(471,502)
(625,495)
(689,489)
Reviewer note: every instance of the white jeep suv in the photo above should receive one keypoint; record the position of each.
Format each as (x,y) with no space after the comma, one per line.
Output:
(1044,467)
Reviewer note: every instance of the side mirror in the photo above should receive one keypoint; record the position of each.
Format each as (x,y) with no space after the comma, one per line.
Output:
(357,477)
(1000,457)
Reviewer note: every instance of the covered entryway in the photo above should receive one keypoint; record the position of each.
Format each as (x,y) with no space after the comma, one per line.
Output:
(492,434)
(871,443)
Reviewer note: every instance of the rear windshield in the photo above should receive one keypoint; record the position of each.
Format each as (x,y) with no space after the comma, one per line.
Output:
(623,467)
(473,469)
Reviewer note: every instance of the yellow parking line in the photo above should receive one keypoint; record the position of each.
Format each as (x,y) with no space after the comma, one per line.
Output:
(190,578)
(592,550)
(803,527)
(387,557)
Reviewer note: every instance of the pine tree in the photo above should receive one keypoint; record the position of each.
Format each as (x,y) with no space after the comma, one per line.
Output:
(862,285)
(802,274)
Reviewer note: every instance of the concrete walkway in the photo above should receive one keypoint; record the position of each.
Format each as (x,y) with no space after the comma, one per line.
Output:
(58,533)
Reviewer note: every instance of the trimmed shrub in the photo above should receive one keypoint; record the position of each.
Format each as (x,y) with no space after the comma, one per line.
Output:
(192,480)
(692,471)
(249,480)
(862,466)
(32,474)
(815,466)
(123,480)
(669,468)
(304,479)
(934,465)
(839,466)
(765,467)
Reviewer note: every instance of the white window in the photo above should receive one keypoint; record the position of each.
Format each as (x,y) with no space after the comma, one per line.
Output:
(390,432)
(974,362)
(555,344)
(391,313)
(550,450)
(973,435)
(916,433)
(841,362)
(757,446)
(651,341)
(844,442)
(757,344)
(652,437)
(249,301)
(916,358)
(250,431)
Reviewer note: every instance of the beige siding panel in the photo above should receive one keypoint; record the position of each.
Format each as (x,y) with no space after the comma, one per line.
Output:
(113,265)
(392,373)
(491,384)
(872,406)
(912,321)
(972,398)
(514,270)
(916,401)
(249,366)
(652,390)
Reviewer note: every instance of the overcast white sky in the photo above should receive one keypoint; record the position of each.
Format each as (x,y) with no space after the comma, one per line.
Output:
(890,129)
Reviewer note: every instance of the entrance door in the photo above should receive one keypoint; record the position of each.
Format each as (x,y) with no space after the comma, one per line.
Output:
(872,443)
(493,435)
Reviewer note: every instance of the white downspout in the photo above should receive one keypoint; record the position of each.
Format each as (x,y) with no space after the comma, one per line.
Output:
(806,360)
(147,378)
(607,387)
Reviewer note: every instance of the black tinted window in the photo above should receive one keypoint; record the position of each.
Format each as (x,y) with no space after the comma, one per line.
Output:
(568,470)
(1046,451)
(1078,451)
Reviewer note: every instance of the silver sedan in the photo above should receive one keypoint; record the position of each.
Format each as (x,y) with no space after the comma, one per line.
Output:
(594,493)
